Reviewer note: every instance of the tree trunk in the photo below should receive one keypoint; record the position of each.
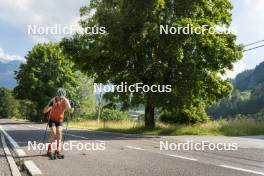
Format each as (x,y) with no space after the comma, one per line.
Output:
(98,115)
(99,110)
(149,117)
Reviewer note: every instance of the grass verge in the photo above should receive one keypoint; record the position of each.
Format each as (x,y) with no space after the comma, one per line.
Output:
(235,127)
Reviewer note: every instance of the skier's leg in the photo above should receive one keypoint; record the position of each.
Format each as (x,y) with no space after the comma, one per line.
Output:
(52,138)
(59,142)
(59,137)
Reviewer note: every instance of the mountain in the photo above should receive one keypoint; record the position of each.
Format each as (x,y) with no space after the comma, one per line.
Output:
(247,98)
(249,79)
(7,73)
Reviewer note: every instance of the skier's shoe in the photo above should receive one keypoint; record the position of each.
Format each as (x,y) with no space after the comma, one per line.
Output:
(49,150)
(52,156)
(59,155)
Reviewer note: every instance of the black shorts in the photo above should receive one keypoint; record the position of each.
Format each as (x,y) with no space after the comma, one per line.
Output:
(54,123)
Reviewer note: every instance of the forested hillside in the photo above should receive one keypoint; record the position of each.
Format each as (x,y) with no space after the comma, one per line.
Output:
(250,79)
(247,97)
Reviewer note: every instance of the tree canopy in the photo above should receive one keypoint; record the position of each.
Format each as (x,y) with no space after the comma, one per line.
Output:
(44,72)
(8,105)
(134,51)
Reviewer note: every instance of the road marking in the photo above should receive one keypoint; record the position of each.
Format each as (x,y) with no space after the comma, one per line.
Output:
(12,164)
(62,133)
(32,127)
(241,169)
(176,156)
(182,157)
(19,152)
(11,140)
(76,136)
(136,148)
(82,137)
(32,168)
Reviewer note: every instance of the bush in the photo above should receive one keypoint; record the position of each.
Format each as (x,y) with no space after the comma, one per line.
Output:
(27,110)
(8,104)
(191,115)
(109,114)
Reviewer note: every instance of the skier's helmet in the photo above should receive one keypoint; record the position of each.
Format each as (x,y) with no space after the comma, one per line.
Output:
(61,92)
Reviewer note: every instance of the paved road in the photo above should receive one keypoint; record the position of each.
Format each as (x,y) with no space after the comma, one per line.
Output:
(140,155)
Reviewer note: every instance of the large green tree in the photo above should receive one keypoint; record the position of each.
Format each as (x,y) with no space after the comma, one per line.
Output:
(45,70)
(133,50)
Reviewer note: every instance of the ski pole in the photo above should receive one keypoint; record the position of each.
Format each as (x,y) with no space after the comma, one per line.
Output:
(67,123)
(66,132)
(45,134)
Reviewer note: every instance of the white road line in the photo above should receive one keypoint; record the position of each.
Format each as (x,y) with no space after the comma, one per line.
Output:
(32,168)
(82,137)
(182,157)
(241,169)
(32,127)
(77,136)
(12,164)
(62,133)
(11,140)
(136,148)
(19,152)
(176,156)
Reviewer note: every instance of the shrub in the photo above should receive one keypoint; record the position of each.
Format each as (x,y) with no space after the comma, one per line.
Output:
(191,115)
(109,114)
(27,110)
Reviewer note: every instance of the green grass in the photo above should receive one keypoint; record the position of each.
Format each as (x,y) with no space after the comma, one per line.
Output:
(236,127)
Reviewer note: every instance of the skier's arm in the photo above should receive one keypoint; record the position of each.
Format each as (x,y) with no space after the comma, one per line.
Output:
(68,106)
(48,107)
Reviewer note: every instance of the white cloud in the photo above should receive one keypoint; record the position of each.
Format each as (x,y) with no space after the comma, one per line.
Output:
(8,58)
(42,12)
(239,67)
(247,18)
(21,13)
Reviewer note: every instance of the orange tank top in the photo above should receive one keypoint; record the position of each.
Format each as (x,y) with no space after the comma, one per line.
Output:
(57,111)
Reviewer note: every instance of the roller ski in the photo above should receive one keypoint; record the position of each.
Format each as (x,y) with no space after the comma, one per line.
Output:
(59,155)
(52,156)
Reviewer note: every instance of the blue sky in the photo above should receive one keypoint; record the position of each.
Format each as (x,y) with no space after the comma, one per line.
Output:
(16,15)
(248,19)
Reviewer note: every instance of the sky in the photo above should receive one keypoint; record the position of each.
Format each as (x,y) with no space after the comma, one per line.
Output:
(16,15)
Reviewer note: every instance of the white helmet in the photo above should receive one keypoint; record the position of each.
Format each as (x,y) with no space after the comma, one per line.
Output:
(61,92)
